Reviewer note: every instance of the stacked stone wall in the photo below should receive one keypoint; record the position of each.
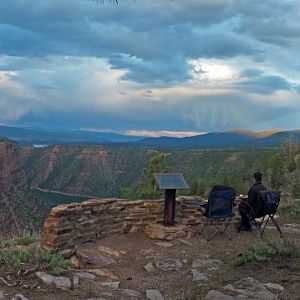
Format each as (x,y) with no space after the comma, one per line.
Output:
(68,226)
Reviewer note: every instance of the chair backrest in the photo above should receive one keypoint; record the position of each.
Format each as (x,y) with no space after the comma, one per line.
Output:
(220,202)
(271,200)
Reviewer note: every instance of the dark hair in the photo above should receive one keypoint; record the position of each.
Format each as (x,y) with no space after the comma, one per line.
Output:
(257,176)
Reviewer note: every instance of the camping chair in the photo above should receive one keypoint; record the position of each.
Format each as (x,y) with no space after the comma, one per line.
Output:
(219,210)
(271,200)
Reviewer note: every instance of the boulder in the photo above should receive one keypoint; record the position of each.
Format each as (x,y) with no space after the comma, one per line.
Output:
(251,288)
(198,276)
(149,267)
(131,293)
(103,273)
(169,264)
(61,282)
(154,295)
(92,257)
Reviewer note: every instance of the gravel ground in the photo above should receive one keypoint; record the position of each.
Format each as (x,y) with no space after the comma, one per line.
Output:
(178,284)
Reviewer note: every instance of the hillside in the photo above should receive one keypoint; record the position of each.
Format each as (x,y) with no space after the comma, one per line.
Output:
(95,171)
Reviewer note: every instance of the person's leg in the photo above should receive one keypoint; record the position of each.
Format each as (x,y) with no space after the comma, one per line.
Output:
(244,210)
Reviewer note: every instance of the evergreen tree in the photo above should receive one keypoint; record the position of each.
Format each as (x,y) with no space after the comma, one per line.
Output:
(147,187)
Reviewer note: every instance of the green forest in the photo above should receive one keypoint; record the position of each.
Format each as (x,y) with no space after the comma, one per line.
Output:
(128,173)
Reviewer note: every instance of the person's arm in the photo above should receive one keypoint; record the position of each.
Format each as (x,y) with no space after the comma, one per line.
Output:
(252,195)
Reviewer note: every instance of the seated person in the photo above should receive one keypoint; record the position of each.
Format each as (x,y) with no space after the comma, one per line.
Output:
(252,207)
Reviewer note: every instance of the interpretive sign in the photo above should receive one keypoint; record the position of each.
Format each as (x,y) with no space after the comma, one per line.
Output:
(170,182)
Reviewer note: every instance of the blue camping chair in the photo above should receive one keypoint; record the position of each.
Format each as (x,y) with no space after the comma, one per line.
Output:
(219,210)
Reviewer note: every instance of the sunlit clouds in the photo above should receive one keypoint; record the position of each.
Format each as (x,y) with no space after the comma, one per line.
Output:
(151,68)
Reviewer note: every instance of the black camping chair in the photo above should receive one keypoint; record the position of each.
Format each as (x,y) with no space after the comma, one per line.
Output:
(271,200)
(219,210)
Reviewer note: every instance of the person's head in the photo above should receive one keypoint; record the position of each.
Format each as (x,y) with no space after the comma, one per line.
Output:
(257,176)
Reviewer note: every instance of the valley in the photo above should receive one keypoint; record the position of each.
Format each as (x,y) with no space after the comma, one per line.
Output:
(33,180)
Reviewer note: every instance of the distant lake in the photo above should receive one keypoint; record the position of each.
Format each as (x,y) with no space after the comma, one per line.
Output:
(39,146)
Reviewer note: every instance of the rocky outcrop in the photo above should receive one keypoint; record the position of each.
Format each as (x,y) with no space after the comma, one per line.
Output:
(69,226)
(10,160)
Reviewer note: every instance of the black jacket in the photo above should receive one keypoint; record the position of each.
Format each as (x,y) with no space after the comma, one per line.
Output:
(255,200)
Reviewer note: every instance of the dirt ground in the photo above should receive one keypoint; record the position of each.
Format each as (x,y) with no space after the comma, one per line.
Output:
(178,285)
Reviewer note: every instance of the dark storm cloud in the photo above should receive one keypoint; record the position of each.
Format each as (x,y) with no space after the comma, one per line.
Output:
(71,58)
(256,81)
(161,33)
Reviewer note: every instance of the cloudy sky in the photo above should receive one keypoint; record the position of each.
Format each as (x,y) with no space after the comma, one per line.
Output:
(150,67)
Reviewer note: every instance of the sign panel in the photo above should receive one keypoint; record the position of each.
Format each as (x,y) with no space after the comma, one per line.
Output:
(170,181)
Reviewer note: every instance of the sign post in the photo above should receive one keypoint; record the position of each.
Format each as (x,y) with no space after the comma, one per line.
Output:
(170,182)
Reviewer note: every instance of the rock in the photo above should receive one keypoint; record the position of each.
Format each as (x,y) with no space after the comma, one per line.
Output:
(164,245)
(75,263)
(109,251)
(92,257)
(169,265)
(2,297)
(106,294)
(45,278)
(149,267)
(215,295)
(168,233)
(96,298)
(111,284)
(146,252)
(186,243)
(103,273)
(198,276)
(209,264)
(131,293)
(134,229)
(273,287)
(154,295)
(251,288)
(85,275)
(75,281)
(63,283)
(101,296)
(19,297)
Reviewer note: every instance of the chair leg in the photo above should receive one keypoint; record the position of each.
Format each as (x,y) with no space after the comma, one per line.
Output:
(204,225)
(226,231)
(277,226)
(258,227)
(221,229)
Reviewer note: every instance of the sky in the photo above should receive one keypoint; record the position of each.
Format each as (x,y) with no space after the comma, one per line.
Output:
(150,67)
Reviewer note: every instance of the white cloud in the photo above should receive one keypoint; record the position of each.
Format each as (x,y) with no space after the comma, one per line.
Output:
(158,133)
(212,70)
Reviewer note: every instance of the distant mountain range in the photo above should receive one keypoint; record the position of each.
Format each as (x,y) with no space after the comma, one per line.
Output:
(230,139)
(28,136)
(237,138)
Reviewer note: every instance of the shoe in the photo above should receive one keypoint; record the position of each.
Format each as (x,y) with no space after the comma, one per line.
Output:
(242,227)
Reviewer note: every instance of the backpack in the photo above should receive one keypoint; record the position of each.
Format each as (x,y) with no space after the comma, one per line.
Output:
(270,201)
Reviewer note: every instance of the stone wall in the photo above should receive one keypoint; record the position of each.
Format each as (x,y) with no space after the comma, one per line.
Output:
(68,226)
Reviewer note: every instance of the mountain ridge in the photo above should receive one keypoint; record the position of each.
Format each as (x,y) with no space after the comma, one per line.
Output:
(240,138)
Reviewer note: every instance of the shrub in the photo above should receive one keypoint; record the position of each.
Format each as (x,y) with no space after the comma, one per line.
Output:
(14,257)
(290,207)
(57,263)
(264,252)
(26,240)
